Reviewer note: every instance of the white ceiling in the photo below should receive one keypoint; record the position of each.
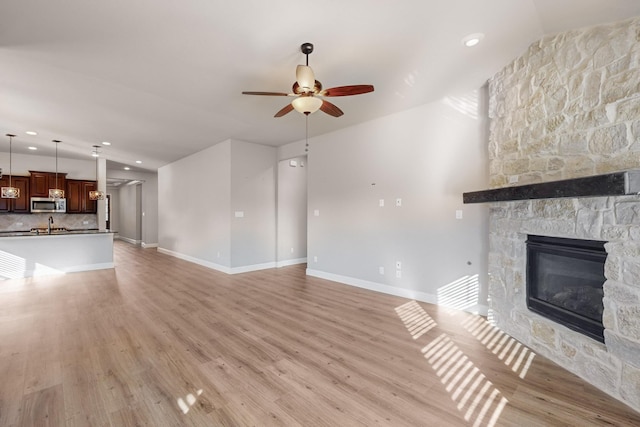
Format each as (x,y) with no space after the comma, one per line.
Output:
(162,79)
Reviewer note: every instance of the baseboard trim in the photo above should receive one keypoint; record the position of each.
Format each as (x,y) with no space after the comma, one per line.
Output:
(391,290)
(218,267)
(128,240)
(195,260)
(89,267)
(149,245)
(254,267)
(289,262)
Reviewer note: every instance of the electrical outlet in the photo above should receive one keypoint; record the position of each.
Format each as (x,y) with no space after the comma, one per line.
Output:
(398,274)
(381,270)
(85,222)
(239,214)
(18,224)
(315,259)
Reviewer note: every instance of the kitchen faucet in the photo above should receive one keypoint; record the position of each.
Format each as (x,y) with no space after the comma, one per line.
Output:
(49,226)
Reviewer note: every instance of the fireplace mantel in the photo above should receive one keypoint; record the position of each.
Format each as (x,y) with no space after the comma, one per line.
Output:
(612,184)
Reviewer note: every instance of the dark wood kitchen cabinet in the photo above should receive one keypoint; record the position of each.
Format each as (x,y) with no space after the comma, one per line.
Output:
(21,204)
(78,196)
(41,182)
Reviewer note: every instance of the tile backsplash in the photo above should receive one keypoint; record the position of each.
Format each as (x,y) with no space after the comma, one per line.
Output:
(25,222)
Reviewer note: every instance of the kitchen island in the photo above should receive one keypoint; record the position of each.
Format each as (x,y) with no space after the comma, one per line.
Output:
(26,254)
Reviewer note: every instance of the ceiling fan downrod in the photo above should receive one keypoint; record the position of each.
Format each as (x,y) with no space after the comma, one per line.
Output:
(306,48)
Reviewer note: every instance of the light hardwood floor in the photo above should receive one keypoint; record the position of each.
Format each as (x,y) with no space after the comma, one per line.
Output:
(162,342)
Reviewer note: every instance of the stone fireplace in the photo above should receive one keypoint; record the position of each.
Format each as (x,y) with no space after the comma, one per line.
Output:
(569,107)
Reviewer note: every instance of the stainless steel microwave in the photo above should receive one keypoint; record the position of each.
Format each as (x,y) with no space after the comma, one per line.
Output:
(43,204)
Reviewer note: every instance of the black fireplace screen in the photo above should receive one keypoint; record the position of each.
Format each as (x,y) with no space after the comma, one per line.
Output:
(565,279)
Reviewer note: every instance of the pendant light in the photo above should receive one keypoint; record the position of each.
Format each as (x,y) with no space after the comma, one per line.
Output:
(56,193)
(96,194)
(10,192)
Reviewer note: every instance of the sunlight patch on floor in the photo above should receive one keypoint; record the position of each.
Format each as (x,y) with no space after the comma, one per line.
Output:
(189,400)
(480,402)
(475,396)
(515,355)
(415,319)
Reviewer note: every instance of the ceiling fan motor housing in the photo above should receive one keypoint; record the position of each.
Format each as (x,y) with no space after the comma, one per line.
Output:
(306,48)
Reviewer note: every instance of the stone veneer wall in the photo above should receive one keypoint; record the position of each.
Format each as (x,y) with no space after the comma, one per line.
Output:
(570,107)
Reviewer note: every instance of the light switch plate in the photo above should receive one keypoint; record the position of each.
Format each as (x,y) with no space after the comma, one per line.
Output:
(316,212)
(239,214)
(398,202)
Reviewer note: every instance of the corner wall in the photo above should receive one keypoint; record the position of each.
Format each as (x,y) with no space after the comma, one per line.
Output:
(217,207)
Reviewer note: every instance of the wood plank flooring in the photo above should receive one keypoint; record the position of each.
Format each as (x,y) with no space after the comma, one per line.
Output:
(162,342)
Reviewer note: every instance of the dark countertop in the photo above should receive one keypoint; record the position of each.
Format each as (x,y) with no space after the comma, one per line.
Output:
(27,233)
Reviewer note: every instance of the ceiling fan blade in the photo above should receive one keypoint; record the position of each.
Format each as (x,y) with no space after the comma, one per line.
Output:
(330,109)
(287,109)
(266,93)
(305,77)
(347,90)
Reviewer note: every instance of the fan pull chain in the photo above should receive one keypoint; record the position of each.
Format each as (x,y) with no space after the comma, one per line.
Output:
(306,133)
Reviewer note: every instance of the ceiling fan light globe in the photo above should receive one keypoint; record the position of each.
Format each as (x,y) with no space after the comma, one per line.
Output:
(305,78)
(307,104)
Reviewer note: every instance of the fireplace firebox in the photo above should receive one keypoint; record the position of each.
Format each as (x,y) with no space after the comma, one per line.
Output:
(565,279)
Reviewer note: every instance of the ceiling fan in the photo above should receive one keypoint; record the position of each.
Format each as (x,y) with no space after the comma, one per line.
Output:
(308,91)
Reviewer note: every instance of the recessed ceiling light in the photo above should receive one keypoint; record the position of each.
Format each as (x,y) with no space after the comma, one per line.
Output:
(106,143)
(31,132)
(472,39)
(32,148)
(127,168)
(138,161)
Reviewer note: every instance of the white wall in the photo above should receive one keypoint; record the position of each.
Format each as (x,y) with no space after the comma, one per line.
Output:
(23,163)
(292,211)
(149,215)
(427,157)
(194,204)
(253,192)
(129,213)
(114,192)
